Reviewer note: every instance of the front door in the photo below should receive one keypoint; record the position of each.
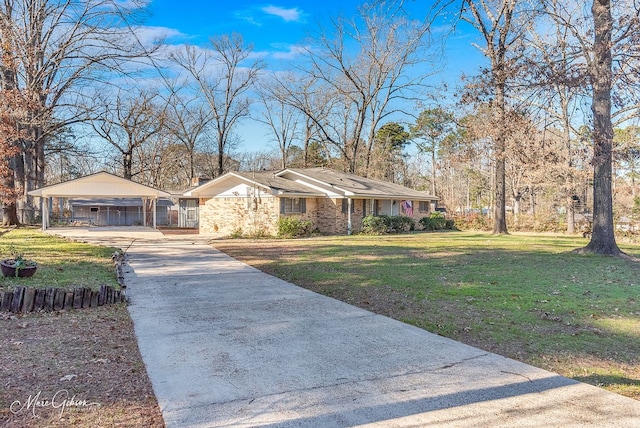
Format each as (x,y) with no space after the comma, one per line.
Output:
(188,213)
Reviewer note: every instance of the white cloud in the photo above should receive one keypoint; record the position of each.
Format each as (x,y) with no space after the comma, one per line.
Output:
(292,52)
(289,15)
(148,34)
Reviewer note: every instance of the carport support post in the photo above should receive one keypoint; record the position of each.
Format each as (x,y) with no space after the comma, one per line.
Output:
(144,212)
(44,210)
(154,212)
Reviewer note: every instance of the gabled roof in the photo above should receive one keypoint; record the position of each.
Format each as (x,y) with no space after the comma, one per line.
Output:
(351,185)
(99,185)
(310,182)
(268,181)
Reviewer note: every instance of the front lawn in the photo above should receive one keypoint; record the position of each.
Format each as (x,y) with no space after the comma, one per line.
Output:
(524,296)
(61,263)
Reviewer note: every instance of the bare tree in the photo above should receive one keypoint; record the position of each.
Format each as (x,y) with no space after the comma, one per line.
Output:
(187,120)
(223,76)
(127,123)
(558,85)
(280,116)
(364,85)
(502,25)
(58,51)
(314,102)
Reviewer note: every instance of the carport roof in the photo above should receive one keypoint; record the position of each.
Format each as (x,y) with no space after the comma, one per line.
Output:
(99,185)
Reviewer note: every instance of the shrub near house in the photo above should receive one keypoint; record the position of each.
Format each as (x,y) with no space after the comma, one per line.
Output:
(436,221)
(293,227)
(382,224)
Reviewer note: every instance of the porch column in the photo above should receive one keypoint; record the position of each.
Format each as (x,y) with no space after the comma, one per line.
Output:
(154,213)
(348,216)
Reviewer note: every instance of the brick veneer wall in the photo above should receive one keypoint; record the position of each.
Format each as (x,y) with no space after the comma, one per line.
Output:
(228,215)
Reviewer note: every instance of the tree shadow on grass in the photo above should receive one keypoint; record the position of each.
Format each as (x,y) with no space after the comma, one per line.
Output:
(607,380)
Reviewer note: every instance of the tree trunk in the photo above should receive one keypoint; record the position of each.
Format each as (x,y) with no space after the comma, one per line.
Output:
(568,182)
(9,215)
(433,172)
(516,206)
(127,165)
(602,238)
(220,161)
(9,209)
(571,216)
(499,213)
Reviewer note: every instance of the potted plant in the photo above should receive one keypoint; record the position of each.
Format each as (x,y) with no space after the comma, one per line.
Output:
(18,266)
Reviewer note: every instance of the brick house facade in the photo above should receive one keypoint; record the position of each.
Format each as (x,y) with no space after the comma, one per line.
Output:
(252,203)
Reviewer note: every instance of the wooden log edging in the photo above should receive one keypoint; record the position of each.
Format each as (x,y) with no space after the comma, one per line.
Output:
(31,299)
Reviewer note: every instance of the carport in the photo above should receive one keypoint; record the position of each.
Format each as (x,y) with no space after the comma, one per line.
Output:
(98,186)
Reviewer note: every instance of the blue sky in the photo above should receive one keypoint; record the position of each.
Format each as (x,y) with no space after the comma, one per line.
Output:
(267,25)
(276,29)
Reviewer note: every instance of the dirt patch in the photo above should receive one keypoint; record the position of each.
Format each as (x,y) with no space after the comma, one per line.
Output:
(78,368)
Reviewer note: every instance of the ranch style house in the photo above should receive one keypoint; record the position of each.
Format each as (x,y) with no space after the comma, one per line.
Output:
(251,202)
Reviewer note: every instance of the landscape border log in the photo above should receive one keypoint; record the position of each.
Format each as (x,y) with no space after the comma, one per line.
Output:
(18,295)
(58,302)
(77,298)
(86,298)
(49,298)
(7,298)
(102,295)
(39,303)
(29,299)
(68,300)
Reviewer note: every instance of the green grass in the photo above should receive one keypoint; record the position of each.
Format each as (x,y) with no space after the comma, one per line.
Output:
(61,263)
(525,296)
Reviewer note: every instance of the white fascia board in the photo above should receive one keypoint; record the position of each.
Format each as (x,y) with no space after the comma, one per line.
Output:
(325,188)
(200,191)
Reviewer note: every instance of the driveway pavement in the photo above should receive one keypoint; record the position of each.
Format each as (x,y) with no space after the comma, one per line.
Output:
(226,345)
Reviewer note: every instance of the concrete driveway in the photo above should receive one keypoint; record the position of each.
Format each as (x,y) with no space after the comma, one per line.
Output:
(226,345)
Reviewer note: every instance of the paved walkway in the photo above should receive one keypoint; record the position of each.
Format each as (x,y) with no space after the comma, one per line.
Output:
(228,346)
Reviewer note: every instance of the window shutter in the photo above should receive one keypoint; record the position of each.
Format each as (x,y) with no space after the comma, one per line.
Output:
(303,205)
(364,208)
(282,205)
(344,206)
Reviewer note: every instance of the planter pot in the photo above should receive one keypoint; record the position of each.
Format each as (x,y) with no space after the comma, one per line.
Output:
(8,269)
